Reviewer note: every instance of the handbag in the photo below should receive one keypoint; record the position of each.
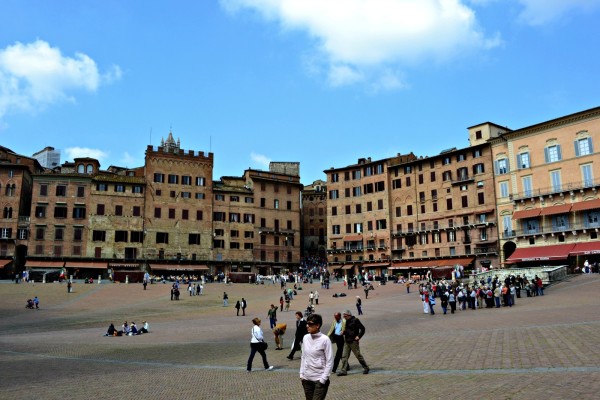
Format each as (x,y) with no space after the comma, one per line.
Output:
(263,345)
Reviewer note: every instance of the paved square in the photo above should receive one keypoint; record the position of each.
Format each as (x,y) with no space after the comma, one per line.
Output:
(544,347)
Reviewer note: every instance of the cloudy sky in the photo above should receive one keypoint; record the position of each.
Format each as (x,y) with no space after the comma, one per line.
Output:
(322,82)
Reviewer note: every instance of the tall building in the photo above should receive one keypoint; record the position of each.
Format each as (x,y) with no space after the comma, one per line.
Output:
(48,157)
(15,206)
(546,178)
(358,218)
(314,220)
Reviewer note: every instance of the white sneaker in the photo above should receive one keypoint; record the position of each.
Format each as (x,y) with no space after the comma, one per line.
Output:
(270,368)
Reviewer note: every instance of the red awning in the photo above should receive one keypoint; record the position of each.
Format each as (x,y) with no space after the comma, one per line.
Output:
(86,264)
(532,212)
(179,267)
(44,264)
(553,210)
(4,263)
(353,238)
(409,264)
(586,205)
(541,253)
(454,261)
(383,265)
(587,248)
(348,266)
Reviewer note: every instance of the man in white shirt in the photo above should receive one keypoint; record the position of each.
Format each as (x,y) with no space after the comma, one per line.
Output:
(317,360)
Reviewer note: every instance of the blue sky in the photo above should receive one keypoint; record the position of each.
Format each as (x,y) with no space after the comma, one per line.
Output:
(322,82)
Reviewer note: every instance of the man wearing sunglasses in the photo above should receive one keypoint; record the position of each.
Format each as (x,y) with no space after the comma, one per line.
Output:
(317,360)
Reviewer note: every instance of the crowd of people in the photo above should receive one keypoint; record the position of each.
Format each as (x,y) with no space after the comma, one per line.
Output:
(127,329)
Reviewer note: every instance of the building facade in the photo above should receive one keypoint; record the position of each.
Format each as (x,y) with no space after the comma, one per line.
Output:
(546,178)
(314,220)
(48,157)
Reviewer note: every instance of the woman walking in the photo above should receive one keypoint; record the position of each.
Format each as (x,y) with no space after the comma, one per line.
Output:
(257,344)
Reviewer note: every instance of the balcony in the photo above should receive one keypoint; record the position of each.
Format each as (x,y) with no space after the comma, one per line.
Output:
(24,220)
(486,250)
(548,191)
(462,178)
(549,229)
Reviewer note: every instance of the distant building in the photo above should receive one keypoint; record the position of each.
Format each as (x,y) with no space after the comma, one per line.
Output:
(314,220)
(48,157)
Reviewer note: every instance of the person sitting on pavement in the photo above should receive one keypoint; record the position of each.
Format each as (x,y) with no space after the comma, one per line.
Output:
(111,330)
(133,329)
(145,328)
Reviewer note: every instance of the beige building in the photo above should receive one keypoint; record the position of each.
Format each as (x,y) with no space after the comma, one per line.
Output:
(314,220)
(546,178)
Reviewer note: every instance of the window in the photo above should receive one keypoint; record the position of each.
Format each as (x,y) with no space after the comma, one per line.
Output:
(234,217)
(173,179)
(583,147)
(80,191)
(358,208)
(77,234)
(137,237)
(408,181)
(120,188)
(380,204)
(158,192)
(194,238)
(162,237)
(397,183)
(198,215)
(409,210)
(219,216)
(527,186)
(587,175)
(523,160)
(200,181)
(480,198)
(348,209)
(448,204)
(99,236)
(335,229)
(186,180)
(249,218)
(43,189)
(333,210)
(249,200)
(171,213)
(61,190)
(60,211)
(276,204)
(137,189)
(102,187)
(503,189)
(121,236)
(478,135)
(501,166)
(220,197)
(398,211)
(6,233)
(157,212)
(556,182)
(465,201)
(446,176)
(136,211)
(369,206)
(507,224)
(186,195)
(552,153)
(446,161)
(333,194)
(335,177)
(39,233)
(40,211)
(477,153)
(421,179)
(100,209)
(173,194)
(358,228)
(347,192)
(288,206)
(356,174)
(356,191)
(380,186)
(478,168)
(461,157)
(159,178)
(79,212)
(185,214)
(248,234)
(381,224)
(451,236)
(200,196)
(263,202)
(234,199)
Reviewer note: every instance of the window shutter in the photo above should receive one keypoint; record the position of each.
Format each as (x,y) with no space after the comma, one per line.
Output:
(546,157)
(519,163)
(576,148)
(590,144)
(496,167)
(558,152)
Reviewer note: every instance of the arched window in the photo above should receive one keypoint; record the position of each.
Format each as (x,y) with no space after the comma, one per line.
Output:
(89,169)
(7,212)
(80,169)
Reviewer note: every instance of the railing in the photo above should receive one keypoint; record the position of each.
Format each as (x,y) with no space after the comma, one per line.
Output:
(23,219)
(526,194)
(545,229)
(485,250)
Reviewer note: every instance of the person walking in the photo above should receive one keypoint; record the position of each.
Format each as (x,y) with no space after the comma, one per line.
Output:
(69,285)
(237,307)
(352,334)
(316,295)
(257,344)
(316,361)
(300,332)
(359,305)
(244,305)
(335,333)
(225,299)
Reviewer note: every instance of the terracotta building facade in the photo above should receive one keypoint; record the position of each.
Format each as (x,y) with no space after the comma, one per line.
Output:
(314,220)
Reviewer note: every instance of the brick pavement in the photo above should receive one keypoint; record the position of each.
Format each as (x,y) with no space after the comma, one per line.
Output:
(543,347)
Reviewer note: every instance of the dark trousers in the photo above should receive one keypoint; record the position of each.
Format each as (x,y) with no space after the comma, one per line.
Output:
(295,348)
(339,343)
(253,349)
(452,306)
(315,390)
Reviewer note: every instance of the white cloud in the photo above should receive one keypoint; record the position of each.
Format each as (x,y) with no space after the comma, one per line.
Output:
(34,75)
(355,35)
(79,152)
(127,160)
(538,12)
(261,160)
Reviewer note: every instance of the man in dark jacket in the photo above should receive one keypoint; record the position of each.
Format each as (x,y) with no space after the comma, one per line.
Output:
(353,332)
(300,332)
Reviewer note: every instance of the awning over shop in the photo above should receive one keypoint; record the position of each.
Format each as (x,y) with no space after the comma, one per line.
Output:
(586,205)
(353,238)
(451,262)
(123,265)
(541,253)
(44,264)
(532,212)
(409,264)
(179,267)
(375,265)
(348,266)
(553,210)
(584,249)
(86,264)
(4,263)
